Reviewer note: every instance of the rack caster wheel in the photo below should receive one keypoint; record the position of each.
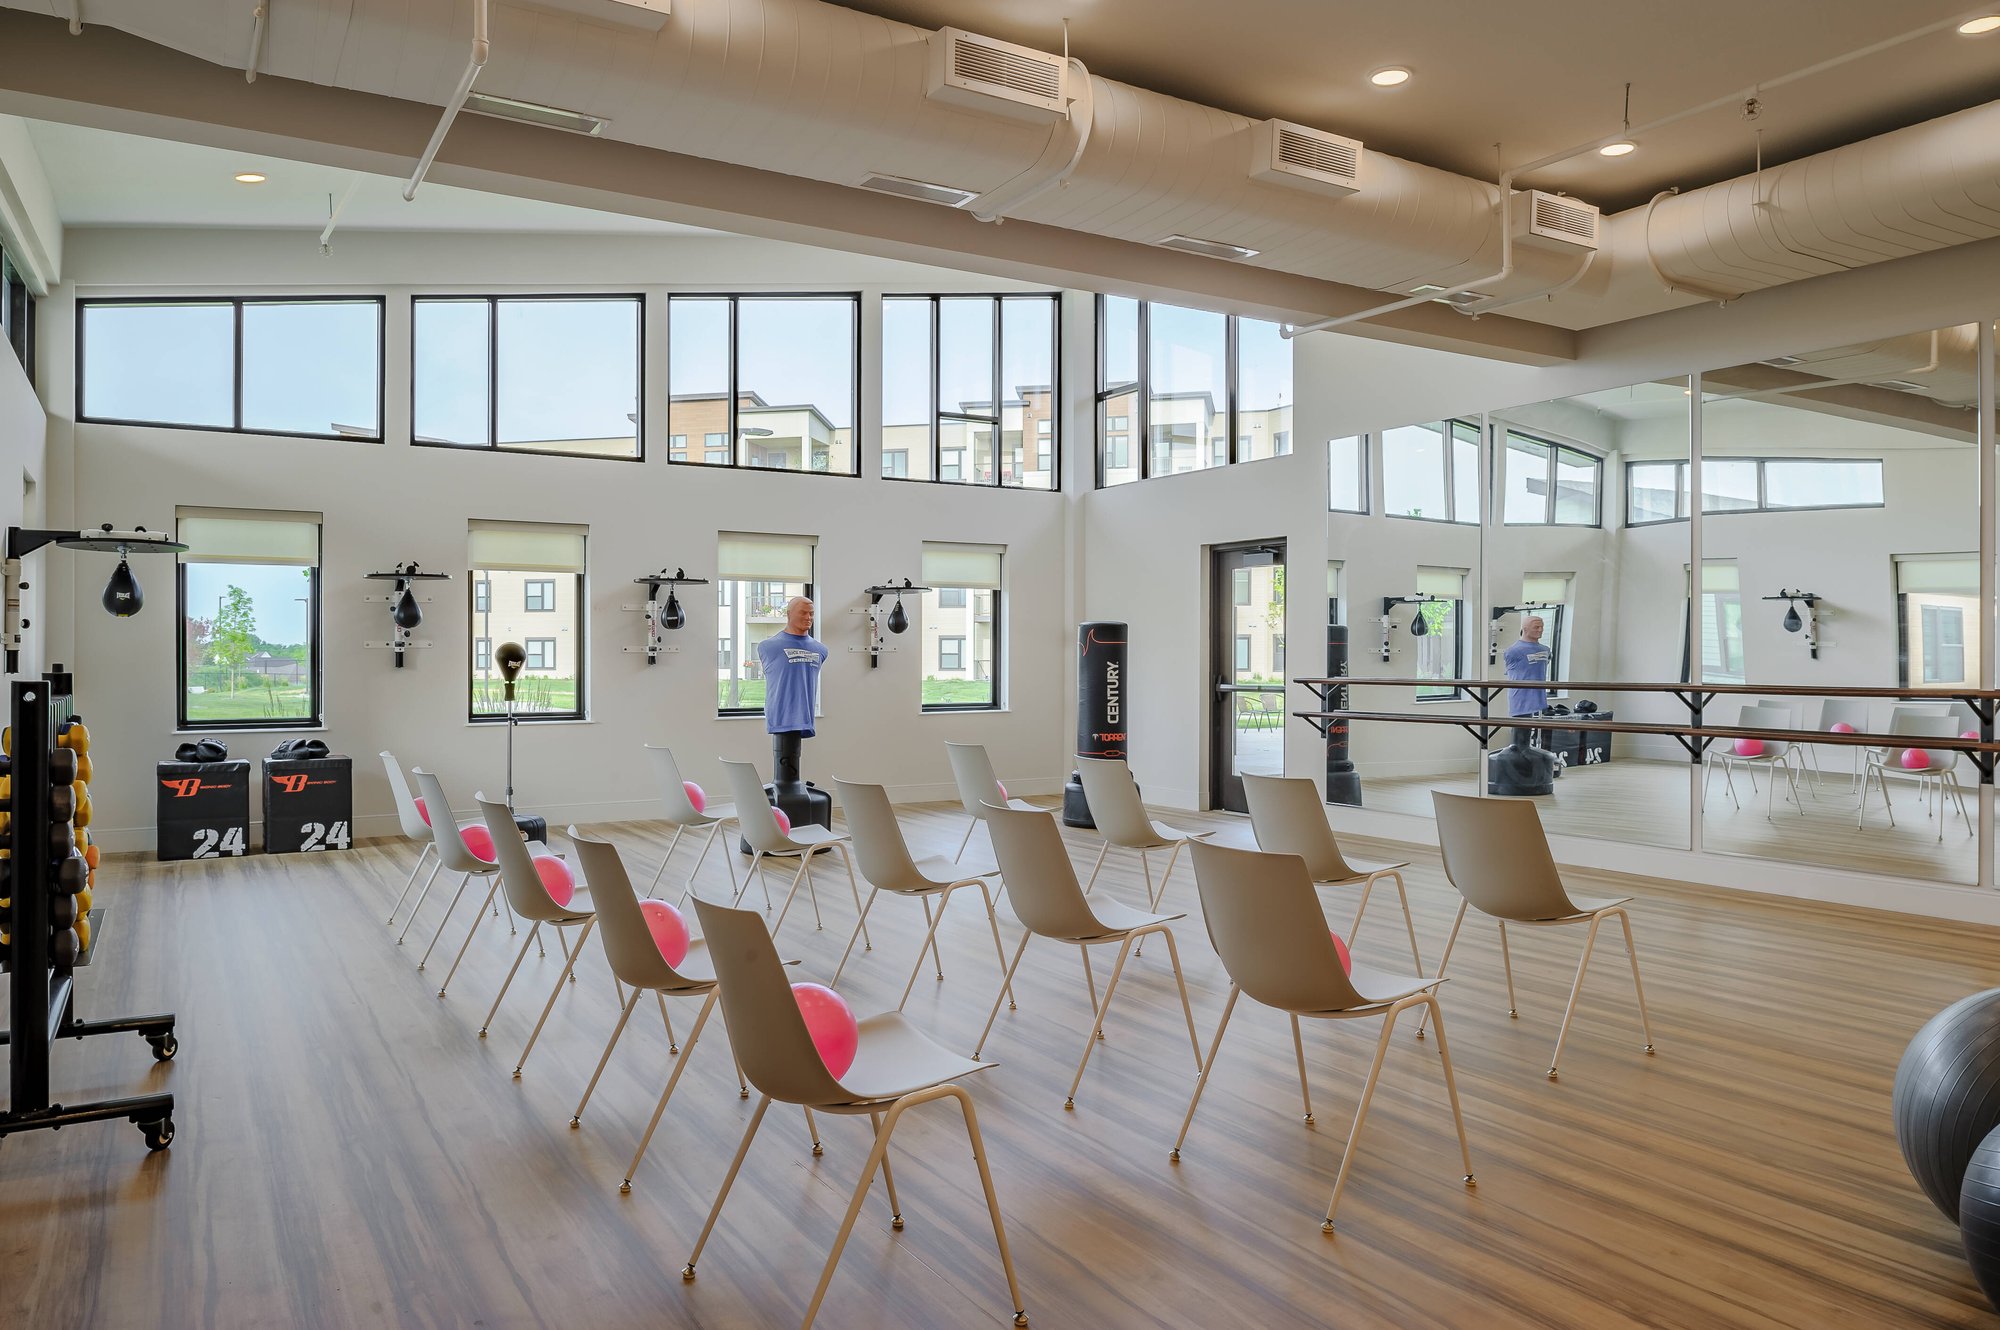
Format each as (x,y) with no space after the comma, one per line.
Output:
(164,1048)
(159,1135)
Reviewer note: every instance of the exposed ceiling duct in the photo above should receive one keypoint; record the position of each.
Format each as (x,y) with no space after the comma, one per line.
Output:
(825,93)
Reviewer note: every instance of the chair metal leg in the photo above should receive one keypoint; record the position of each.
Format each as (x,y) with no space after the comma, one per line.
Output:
(1180,982)
(1409,923)
(568,970)
(1006,986)
(652,1124)
(1146,871)
(422,896)
(576,1118)
(1589,941)
(930,944)
(1361,1113)
(1632,954)
(1450,1085)
(1305,1089)
(854,889)
(999,954)
(728,1181)
(665,859)
(965,840)
(673,1044)
(804,861)
(937,957)
(888,1177)
(1367,887)
(478,918)
(1445,960)
(992,1199)
(1507,965)
(426,852)
(1173,857)
(1097,867)
(855,937)
(1097,1026)
(464,881)
(812,894)
(529,941)
(1089,980)
(812,1130)
(1207,1069)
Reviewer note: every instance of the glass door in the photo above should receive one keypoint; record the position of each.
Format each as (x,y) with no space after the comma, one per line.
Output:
(1247,663)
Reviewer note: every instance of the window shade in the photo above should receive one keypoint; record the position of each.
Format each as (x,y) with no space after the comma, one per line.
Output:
(1447,582)
(769,558)
(973,566)
(1719,575)
(1545,588)
(1949,574)
(527,547)
(215,535)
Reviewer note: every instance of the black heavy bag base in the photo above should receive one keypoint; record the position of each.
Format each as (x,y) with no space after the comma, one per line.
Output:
(1519,769)
(805,803)
(1076,809)
(532,828)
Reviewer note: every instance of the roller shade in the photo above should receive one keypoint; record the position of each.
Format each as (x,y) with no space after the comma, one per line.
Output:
(527,547)
(1446,582)
(976,567)
(1545,589)
(237,535)
(765,558)
(1719,575)
(1947,574)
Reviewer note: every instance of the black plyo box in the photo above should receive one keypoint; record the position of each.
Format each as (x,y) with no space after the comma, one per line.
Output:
(308,804)
(203,809)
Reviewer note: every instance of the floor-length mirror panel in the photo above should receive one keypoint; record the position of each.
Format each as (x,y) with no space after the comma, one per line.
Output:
(1840,538)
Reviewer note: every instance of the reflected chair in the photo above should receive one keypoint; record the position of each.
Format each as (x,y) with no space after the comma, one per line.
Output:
(1288,818)
(685,817)
(1843,711)
(760,828)
(1122,820)
(972,771)
(522,882)
(1263,916)
(1497,855)
(1042,889)
(1778,756)
(896,1068)
(1935,779)
(886,865)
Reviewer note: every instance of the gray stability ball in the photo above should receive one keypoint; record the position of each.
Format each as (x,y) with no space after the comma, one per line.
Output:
(1979,1215)
(1947,1096)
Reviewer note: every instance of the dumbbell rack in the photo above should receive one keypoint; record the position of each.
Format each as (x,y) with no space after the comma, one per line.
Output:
(44,865)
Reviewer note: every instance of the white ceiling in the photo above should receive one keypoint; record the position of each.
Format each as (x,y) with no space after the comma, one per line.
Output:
(106,179)
(1534,76)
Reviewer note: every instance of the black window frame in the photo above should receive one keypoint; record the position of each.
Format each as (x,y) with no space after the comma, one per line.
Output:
(582,625)
(493,303)
(1763,505)
(723,584)
(1364,448)
(236,304)
(938,415)
(1142,390)
(315,653)
(17,313)
(733,435)
(998,701)
(1479,439)
(1551,450)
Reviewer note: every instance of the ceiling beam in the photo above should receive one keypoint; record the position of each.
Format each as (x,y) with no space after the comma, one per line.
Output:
(110,80)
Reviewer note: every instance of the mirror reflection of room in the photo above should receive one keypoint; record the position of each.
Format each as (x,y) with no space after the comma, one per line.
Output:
(1839,549)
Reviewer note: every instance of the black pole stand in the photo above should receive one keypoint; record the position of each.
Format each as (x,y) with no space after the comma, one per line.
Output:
(43,876)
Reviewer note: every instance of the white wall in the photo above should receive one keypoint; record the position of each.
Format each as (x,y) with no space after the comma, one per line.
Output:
(388,502)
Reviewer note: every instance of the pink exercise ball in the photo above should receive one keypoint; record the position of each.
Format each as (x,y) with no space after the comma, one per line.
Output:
(557,880)
(830,1021)
(785,827)
(695,796)
(1003,791)
(1970,734)
(1915,759)
(423,812)
(1749,748)
(670,931)
(1841,727)
(479,841)
(1340,950)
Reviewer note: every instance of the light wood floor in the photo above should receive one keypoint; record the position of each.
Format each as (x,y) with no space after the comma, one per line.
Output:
(1646,803)
(350,1154)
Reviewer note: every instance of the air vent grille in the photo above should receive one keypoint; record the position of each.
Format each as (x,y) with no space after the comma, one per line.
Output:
(976,62)
(534,113)
(1564,217)
(917,189)
(1318,152)
(1214,249)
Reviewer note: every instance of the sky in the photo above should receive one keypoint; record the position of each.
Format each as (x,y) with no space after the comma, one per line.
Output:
(277,594)
(1188,348)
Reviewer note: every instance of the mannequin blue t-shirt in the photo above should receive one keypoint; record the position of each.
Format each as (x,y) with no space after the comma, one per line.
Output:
(791,663)
(1527,661)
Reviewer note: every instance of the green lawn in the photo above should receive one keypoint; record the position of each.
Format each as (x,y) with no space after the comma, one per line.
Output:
(532,693)
(958,692)
(250,703)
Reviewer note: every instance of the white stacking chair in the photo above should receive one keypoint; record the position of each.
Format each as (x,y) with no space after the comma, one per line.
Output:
(760,829)
(530,898)
(417,828)
(1934,780)
(1122,820)
(972,772)
(454,857)
(685,817)
(1287,817)
(1780,757)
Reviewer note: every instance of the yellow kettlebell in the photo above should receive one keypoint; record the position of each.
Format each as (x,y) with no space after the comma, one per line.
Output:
(84,768)
(82,930)
(83,899)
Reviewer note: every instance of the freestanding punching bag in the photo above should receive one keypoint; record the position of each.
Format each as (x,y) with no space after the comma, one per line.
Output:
(1343,782)
(1100,707)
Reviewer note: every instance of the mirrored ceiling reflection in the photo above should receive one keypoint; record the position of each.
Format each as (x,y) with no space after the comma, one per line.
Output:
(1839,540)
(1585,577)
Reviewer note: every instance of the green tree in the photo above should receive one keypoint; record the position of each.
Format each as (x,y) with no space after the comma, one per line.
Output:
(233,636)
(1274,609)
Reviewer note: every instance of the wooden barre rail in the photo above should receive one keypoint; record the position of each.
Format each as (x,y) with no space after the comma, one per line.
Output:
(1704,732)
(1715,689)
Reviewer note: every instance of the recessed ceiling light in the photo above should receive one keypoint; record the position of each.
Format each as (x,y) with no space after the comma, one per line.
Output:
(1392,76)
(250,177)
(1618,149)
(1972,27)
